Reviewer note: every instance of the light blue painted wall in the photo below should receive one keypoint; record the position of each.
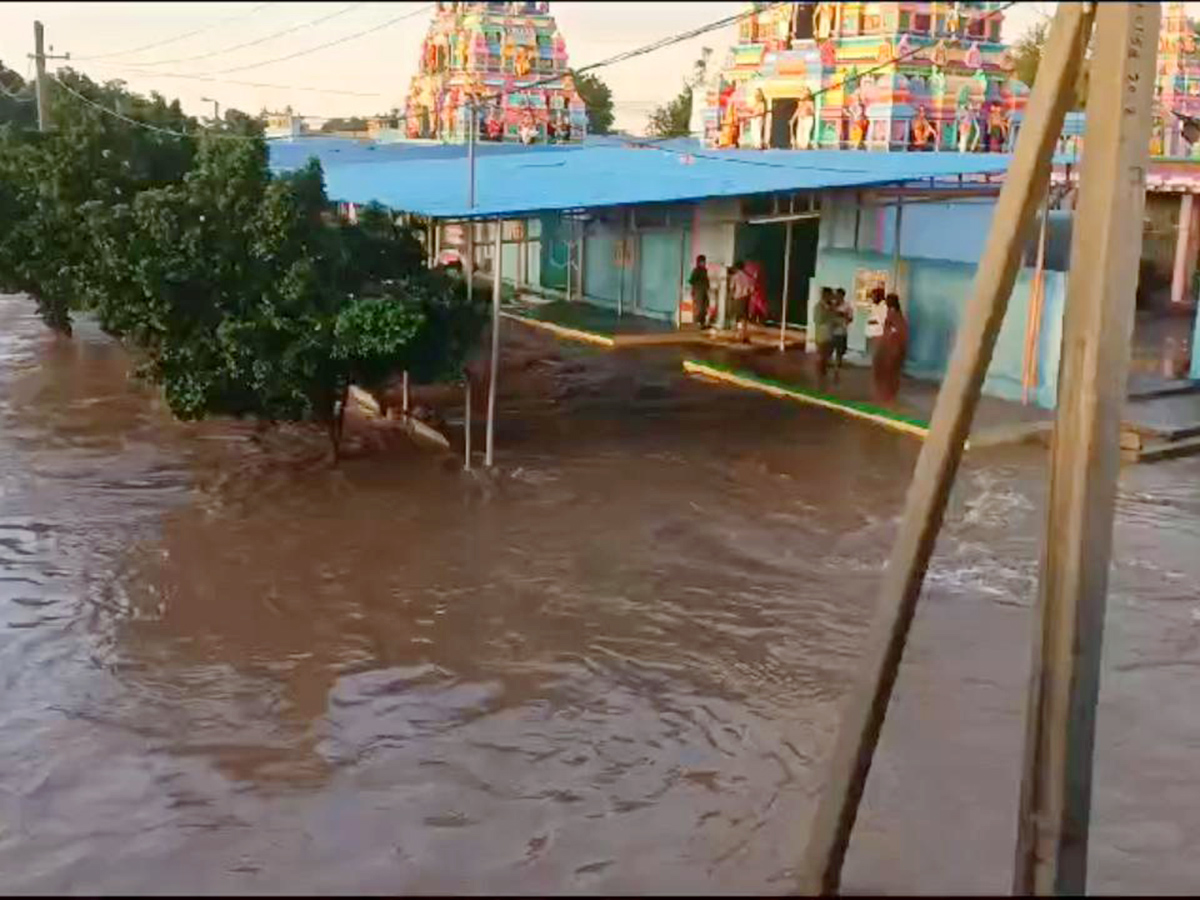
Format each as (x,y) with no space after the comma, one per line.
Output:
(601,279)
(937,292)
(950,231)
(661,255)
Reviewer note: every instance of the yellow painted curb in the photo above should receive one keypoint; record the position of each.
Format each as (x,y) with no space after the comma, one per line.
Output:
(693,368)
(574,334)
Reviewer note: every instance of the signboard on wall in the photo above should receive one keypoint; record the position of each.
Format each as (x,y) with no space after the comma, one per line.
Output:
(866,280)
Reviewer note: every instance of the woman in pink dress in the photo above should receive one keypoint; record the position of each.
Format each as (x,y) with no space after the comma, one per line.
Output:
(757,311)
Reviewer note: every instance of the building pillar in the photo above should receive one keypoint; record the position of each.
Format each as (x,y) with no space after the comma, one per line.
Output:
(1183,262)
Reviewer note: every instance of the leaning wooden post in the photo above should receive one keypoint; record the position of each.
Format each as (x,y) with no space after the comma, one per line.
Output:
(1056,787)
(866,706)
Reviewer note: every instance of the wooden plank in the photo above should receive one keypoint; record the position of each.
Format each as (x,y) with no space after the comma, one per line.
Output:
(1024,187)
(1056,786)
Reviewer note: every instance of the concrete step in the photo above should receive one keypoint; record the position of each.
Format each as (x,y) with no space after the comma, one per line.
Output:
(1161,449)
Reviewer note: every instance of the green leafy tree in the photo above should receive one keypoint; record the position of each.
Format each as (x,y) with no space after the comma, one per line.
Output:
(17,107)
(239,291)
(597,98)
(673,119)
(1027,57)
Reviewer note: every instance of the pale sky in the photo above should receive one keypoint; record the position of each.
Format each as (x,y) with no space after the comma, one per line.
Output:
(372,71)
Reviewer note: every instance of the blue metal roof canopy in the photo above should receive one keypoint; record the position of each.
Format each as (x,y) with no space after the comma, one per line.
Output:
(433,182)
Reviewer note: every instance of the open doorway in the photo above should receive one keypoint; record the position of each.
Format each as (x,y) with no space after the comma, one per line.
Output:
(765,244)
(781,122)
(803,15)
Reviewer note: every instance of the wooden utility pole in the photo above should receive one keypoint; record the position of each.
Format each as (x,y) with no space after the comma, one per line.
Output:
(1024,187)
(1056,788)
(42,85)
(43,94)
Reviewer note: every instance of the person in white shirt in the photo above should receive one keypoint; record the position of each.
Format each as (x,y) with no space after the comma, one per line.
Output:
(741,287)
(875,318)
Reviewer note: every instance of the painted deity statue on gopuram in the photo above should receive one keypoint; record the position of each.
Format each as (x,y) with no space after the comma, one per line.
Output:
(508,62)
(876,76)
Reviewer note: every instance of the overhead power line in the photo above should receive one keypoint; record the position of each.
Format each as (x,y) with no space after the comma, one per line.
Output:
(350,37)
(262,40)
(147,125)
(179,37)
(258,84)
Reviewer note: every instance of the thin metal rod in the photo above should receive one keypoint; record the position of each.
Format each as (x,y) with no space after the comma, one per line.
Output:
(787,281)
(497,265)
(406,392)
(467,426)
(866,706)
(1085,456)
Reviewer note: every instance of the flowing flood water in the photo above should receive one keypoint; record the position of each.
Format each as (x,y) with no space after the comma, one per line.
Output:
(227,667)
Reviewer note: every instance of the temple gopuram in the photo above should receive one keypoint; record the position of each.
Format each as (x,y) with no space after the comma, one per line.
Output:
(509,60)
(879,76)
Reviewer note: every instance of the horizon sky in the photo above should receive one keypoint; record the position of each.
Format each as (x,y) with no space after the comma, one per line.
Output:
(371,73)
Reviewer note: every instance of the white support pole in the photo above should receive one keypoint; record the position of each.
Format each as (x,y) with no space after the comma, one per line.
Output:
(467,426)
(406,392)
(497,265)
(582,259)
(469,267)
(787,283)
(1179,286)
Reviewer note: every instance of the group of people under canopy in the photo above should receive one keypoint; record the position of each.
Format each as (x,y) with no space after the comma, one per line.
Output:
(886,327)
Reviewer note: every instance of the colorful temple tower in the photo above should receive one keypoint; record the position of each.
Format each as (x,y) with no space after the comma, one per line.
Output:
(511,59)
(1178,85)
(882,76)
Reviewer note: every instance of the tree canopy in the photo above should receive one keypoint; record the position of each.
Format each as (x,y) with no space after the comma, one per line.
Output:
(239,290)
(673,119)
(598,99)
(1027,57)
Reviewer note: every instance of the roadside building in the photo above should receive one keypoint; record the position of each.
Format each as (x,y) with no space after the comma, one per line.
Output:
(618,228)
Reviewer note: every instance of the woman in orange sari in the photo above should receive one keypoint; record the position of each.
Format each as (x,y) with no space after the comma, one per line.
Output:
(890,349)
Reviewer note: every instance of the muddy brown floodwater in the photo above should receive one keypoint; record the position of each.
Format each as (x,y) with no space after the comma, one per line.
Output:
(228,668)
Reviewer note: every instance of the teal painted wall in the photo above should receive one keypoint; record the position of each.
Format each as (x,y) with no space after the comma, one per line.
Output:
(601,277)
(937,292)
(552,260)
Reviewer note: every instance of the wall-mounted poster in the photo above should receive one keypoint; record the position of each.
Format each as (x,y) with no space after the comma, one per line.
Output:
(866,280)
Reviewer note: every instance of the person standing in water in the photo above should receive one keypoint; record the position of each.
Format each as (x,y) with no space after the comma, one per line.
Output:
(843,316)
(741,288)
(824,316)
(698,282)
(875,319)
(890,350)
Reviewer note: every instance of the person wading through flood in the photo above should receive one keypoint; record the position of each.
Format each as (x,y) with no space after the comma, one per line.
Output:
(843,316)
(890,349)
(741,288)
(823,324)
(698,281)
